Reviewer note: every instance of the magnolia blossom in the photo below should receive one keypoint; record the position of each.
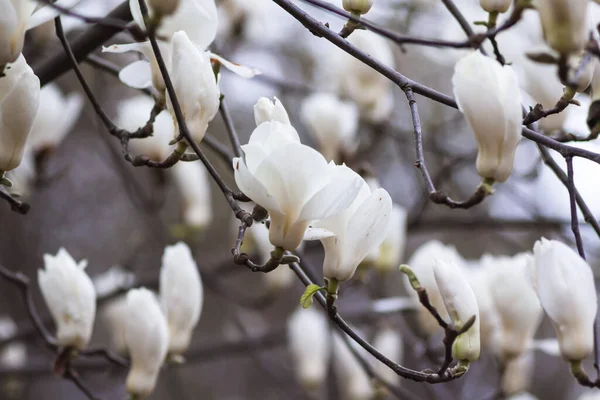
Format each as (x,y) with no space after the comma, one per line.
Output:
(70,296)
(461,305)
(14,22)
(133,113)
(267,110)
(489,320)
(565,286)
(309,342)
(332,122)
(195,85)
(292,181)
(488,95)
(147,338)
(564,24)
(114,316)
(191,178)
(389,342)
(498,6)
(181,295)
(353,380)
(515,300)
(112,280)
(56,116)
(19,97)
(357,6)
(518,374)
(349,236)
(421,262)
(14,354)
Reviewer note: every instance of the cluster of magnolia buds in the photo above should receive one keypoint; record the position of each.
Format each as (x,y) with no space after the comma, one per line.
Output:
(151,328)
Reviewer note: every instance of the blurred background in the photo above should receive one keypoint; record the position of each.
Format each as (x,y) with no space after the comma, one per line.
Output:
(85,197)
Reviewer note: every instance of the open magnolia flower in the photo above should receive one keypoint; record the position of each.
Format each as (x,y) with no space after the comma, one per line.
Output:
(197,18)
(292,181)
(350,235)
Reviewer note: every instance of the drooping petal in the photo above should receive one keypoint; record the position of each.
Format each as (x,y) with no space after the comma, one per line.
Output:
(238,69)
(317,233)
(137,75)
(252,188)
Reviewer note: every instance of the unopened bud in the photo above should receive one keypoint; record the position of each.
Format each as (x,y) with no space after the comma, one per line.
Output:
(358,6)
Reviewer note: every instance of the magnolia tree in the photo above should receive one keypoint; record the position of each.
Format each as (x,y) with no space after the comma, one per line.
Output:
(339,122)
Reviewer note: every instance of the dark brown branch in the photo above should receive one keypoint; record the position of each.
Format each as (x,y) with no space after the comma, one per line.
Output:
(15,205)
(573,206)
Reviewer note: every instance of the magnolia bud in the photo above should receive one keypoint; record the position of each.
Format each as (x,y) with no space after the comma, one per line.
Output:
(163,7)
(309,340)
(516,302)
(13,24)
(14,354)
(461,305)
(19,99)
(489,96)
(267,110)
(421,262)
(71,298)
(147,338)
(181,295)
(193,182)
(489,319)
(114,315)
(358,6)
(565,286)
(495,5)
(517,374)
(564,24)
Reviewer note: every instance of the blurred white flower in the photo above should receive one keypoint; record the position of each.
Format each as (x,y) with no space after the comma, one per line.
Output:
(191,178)
(589,394)
(515,300)
(14,354)
(332,123)
(19,97)
(389,342)
(133,113)
(350,235)
(147,338)
(461,305)
(518,374)
(393,246)
(522,396)
(309,340)
(353,380)
(421,262)
(565,286)
(181,295)
(488,95)
(267,110)
(584,79)
(114,315)
(292,181)
(56,116)
(489,319)
(113,279)
(70,296)
(564,24)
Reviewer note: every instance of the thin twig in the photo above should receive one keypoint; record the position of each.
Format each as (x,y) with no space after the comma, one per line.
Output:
(573,206)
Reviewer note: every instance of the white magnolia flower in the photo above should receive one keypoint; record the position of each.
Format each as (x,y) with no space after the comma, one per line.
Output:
(147,338)
(292,181)
(353,380)
(564,24)
(163,7)
(133,113)
(310,341)
(15,17)
(389,342)
(565,286)
(461,305)
(357,6)
(19,97)
(195,85)
(518,374)
(393,246)
(70,296)
(191,178)
(489,319)
(350,235)
(14,354)
(114,315)
(267,110)
(181,295)
(515,300)
(56,116)
(488,95)
(333,124)
(421,262)
(498,6)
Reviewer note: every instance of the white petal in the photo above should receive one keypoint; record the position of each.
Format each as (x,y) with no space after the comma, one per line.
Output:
(241,70)
(252,188)
(317,234)
(137,75)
